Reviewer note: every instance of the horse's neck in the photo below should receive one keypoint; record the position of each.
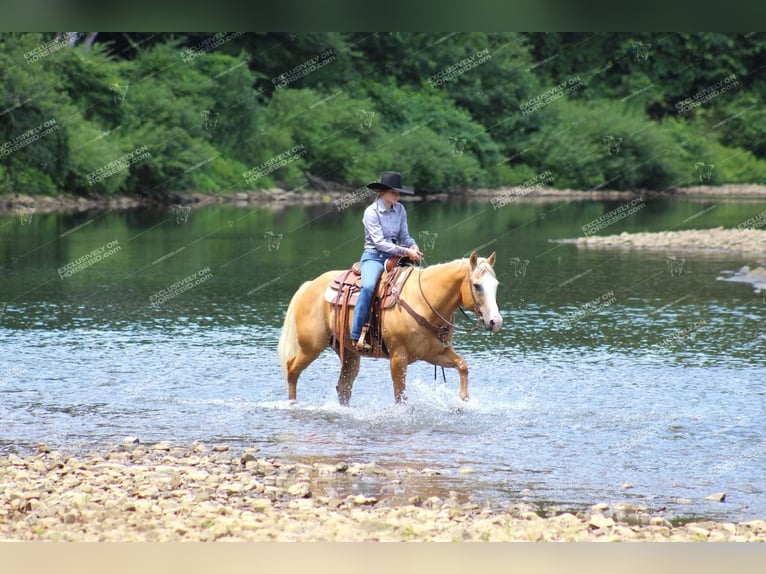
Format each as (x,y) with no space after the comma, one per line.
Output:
(441,286)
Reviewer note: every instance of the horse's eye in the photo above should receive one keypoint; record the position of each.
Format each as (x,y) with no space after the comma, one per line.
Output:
(477,286)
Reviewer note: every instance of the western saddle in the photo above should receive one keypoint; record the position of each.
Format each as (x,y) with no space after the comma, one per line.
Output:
(343,293)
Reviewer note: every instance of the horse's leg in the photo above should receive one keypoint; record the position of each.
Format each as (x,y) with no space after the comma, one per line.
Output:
(348,373)
(295,367)
(449,358)
(398,363)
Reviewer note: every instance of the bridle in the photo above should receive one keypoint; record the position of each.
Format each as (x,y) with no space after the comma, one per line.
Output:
(442,331)
(476,308)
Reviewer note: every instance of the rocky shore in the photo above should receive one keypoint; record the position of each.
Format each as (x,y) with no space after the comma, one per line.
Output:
(711,240)
(162,492)
(20,203)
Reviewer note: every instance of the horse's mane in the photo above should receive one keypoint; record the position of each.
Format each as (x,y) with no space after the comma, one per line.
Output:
(482,265)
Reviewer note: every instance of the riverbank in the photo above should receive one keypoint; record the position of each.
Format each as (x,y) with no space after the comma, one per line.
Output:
(163,492)
(21,204)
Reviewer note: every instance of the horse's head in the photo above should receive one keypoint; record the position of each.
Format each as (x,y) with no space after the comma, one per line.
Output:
(479,292)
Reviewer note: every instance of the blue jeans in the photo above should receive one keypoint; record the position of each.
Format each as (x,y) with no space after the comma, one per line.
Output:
(372,263)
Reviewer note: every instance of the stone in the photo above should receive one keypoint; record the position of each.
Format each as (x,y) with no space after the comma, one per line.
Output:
(138,452)
(260,504)
(300,490)
(756,525)
(697,531)
(300,504)
(234,488)
(202,496)
(627,485)
(566,518)
(16,460)
(248,457)
(661,531)
(599,521)
(149,491)
(355,470)
(198,475)
(717,497)
(130,440)
(361,499)
(600,507)
(21,504)
(69,518)
(178,527)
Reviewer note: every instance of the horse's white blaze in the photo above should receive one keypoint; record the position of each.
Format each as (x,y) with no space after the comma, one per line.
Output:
(489,311)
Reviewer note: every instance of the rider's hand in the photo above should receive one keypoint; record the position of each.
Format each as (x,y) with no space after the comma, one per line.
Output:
(414,253)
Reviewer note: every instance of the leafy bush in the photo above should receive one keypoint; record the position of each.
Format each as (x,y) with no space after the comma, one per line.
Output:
(606,145)
(180,115)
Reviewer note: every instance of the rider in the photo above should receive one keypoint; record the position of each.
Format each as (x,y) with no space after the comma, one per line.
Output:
(385,235)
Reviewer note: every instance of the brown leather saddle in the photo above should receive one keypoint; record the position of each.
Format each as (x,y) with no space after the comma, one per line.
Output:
(343,293)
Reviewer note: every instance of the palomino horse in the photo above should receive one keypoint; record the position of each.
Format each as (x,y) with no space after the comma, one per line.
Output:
(434,294)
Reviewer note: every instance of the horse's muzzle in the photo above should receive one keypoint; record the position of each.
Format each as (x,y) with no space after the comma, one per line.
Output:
(493,324)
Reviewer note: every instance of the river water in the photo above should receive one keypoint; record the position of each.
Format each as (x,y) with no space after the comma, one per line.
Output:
(611,367)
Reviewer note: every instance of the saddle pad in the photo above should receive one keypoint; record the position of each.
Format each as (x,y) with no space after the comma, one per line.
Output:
(332,296)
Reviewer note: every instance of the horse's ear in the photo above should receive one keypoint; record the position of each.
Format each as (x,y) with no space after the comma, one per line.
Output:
(473,259)
(491,259)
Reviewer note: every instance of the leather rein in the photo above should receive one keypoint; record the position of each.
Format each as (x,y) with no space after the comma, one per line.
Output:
(441,331)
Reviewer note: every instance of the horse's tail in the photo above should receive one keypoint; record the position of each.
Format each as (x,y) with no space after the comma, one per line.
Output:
(288,340)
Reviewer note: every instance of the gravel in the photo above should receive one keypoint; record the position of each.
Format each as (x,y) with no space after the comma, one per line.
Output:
(206,493)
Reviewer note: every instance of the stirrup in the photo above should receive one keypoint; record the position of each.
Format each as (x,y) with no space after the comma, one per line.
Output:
(361,345)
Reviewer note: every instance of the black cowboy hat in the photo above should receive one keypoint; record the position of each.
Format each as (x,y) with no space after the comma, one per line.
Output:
(390,180)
